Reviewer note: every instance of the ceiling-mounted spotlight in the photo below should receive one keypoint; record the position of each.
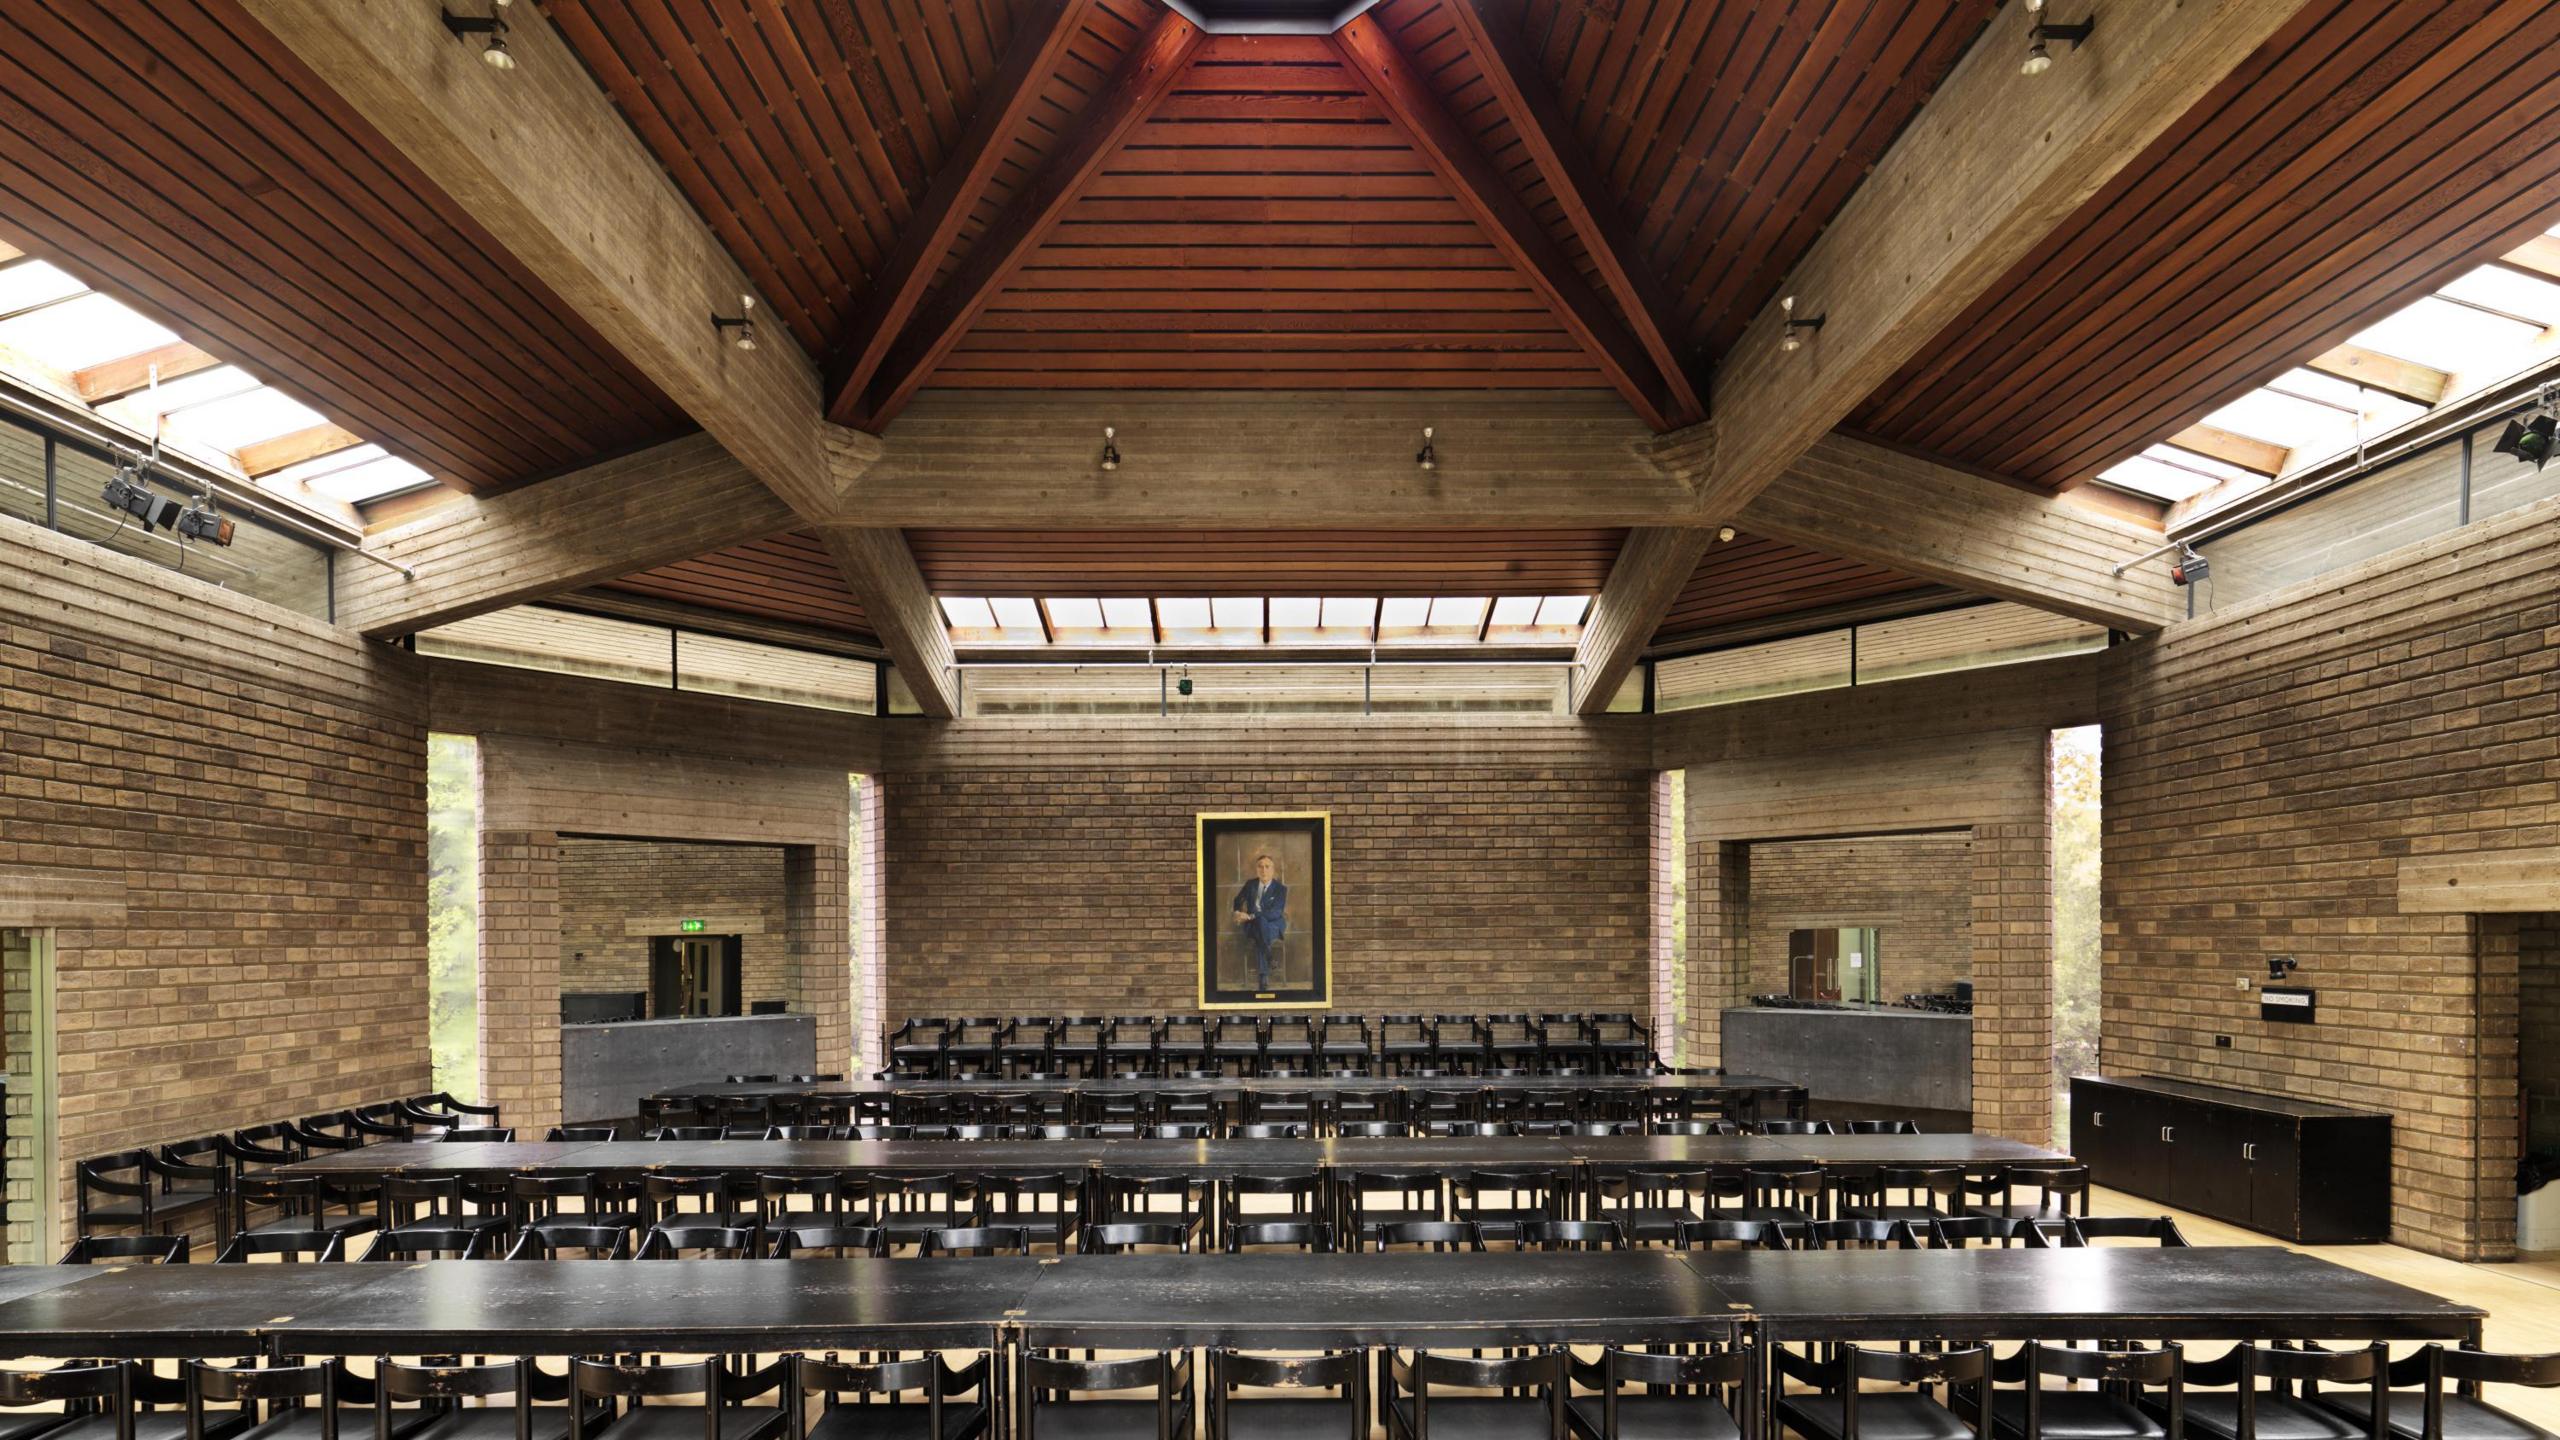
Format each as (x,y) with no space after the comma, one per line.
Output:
(2531,439)
(1111,457)
(2039,59)
(491,25)
(1794,340)
(2189,567)
(128,492)
(741,327)
(203,520)
(1182,686)
(1724,534)
(1426,457)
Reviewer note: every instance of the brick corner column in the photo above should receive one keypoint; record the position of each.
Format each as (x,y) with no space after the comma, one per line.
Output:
(2502,942)
(817,891)
(1662,919)
(520,978)
(2013,980)
(1719,949)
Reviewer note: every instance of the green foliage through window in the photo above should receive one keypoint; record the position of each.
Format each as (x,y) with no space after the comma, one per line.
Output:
(453,913)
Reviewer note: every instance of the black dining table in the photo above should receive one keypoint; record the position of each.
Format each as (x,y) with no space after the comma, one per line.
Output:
(1199,1159)
(1229,1087)
(486,1307)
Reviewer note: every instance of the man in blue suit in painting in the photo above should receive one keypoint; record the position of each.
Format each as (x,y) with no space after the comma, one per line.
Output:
(1261,915)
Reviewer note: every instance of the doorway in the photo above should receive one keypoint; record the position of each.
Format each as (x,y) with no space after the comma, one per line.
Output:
(696,975)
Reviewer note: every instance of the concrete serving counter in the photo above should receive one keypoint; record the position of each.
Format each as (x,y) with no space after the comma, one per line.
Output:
(1912,1062)
(606,1069)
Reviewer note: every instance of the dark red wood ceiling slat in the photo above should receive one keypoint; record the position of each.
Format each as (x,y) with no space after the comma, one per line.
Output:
(784,577)
(2362,157)
(174,156)
(1749,578)
(1347,264)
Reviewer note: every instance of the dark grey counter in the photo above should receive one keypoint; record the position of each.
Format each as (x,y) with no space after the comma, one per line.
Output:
(1909,1060)
(605,1070)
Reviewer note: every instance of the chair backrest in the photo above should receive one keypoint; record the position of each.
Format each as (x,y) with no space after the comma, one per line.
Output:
(1956,1232)
(1441,1235)
(481,1134)
(675,1241)
(560,1242)
(581,1134)
(1964,1369)
(827,1241)
(1345,1372)
(128,1249)
(1877,1127)
(274,1386)
(2487,1367)
(1312,1236)
(289,1245)
(421,1242)
(1046,1381)
(517,1379)
(1795,1127)
(1375,1129)
(976,1241)
(110,1386)
(1861,1235)
(1572,1235)
(2159,1229)
(1543,1371)
(1124,1237)
(1706,1234)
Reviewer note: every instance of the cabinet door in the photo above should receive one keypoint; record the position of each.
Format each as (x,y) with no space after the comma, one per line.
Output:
(2096,1121)
(2274,1150)
(2141,1155)
(2212,1175)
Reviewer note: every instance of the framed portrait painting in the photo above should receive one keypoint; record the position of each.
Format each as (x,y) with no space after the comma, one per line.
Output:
(1265,901)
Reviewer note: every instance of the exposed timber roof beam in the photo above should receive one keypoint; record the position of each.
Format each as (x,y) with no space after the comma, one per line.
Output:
(2248,452)
(1482,190)
(907,621)
(1652,568)
(1521,93)
(1982,175)
(1145,74)
(1041,32)
(2407,379)
(1863,501)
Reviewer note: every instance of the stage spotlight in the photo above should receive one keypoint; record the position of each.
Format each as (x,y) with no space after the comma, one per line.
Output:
(2190,567)
(1427,457)
(1111,459)
(128,494)
(2530,439)
(203,521)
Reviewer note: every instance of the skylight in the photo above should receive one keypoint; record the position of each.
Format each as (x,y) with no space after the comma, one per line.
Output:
(2490,323)
(78,346)
(1249,620)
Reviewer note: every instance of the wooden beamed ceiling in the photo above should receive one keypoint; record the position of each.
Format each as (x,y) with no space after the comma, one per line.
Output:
(783,577)
(2367,153)
(1750,578)
(1087,194)
(174,156)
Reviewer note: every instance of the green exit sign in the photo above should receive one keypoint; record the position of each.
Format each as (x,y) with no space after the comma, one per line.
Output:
(690,927)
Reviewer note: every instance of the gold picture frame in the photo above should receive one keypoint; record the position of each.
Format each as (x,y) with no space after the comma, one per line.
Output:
(1225,846)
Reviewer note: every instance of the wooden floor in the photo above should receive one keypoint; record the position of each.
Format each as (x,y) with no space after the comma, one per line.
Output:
(2523,1300)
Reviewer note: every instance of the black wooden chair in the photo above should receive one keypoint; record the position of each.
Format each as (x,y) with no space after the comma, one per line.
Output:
(1863,1233)
(144,1191)
(421,1241)
(1295,1195)
(1843,1409)
(1343,1042)
(2060,1190)
(1405,1042)
(581,1134)
(678,1240)
(1138,1199)
(318,1401)
(637,1395)
(1377,1198)
(1131,1042)
(1045,1208)
(1298,1413)
(1023,1046)
(2113,1410)
(1651,1202)
(2226,1399)
(1642,1395)
(437,1401)
(81,1402)
(915,1048)
(922,1397)
(1875,1127)
(2449,1406)
(1531,1401)
(1622,1043)
(1959,1232)
(481,1134)
(1791,1194)
(1046,1385)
